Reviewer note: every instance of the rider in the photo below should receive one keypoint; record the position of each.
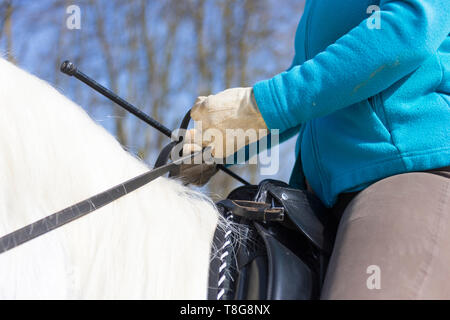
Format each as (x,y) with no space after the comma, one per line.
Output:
(369,97)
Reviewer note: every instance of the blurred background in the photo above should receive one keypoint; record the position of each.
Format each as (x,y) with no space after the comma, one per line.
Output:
(158,54)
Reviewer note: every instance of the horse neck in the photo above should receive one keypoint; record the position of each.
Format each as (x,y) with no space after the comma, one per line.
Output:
(153,243)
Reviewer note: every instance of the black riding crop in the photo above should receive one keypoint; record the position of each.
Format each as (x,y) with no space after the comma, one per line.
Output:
(70,69)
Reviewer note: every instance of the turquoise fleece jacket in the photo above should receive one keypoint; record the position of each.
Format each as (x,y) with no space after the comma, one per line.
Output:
(368,101)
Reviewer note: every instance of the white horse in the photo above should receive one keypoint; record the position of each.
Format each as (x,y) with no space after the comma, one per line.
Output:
(152,243)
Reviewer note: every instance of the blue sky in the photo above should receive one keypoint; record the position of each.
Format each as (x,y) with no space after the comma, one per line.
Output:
(35,45)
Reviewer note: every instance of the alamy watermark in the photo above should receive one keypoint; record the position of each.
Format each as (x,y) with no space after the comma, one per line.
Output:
(374,21)
(373,282)
(73,21)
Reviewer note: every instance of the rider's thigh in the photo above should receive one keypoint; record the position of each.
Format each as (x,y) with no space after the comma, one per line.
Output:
(393,241)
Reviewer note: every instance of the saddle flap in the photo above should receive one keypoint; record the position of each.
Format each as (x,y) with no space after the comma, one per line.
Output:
(289,278)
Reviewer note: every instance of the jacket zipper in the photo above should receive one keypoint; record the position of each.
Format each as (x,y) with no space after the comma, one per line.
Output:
(311,122)
(312,129)
(307,28)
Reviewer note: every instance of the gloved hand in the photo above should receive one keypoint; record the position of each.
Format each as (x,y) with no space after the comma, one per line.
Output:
(230,109)
(196,174)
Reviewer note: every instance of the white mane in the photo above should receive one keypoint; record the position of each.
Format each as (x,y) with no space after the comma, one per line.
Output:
(153,243)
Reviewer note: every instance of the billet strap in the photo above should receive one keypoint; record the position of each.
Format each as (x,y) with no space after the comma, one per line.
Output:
(252,210)
(308,214)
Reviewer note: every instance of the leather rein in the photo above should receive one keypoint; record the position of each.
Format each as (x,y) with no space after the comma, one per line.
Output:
(78,210)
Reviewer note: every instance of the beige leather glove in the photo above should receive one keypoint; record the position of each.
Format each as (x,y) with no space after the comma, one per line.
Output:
(230,109)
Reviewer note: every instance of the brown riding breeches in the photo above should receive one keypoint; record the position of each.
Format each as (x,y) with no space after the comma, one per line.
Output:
(393,240)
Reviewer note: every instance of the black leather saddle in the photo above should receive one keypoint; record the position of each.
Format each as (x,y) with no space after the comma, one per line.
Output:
(282,248)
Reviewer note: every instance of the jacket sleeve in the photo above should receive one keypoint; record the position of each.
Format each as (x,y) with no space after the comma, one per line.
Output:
(359,65)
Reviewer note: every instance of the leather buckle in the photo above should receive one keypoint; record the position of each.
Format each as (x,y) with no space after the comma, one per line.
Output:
(251,210)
